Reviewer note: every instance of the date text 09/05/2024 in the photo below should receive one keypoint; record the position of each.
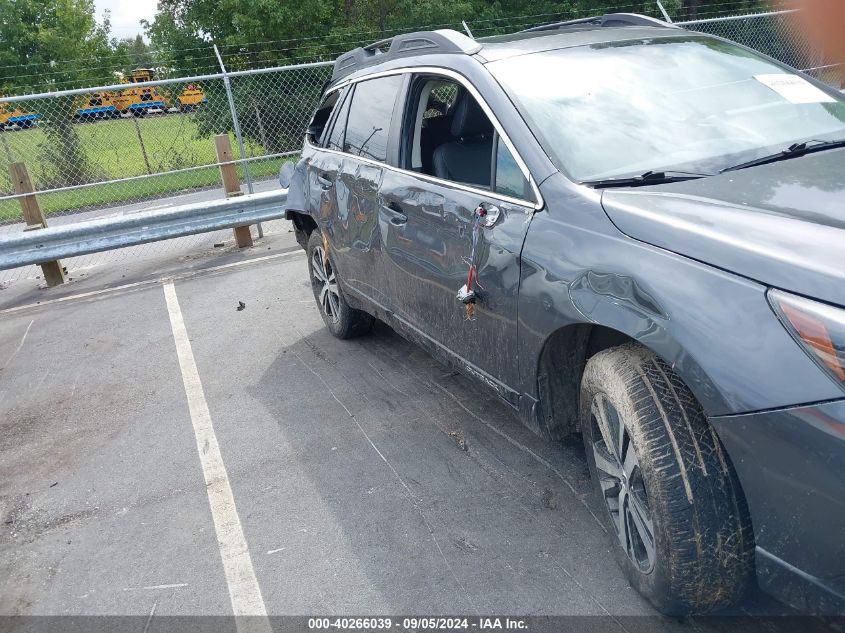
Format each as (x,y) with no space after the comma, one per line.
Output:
(417,623)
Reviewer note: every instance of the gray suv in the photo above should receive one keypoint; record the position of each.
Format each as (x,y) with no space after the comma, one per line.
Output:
(624,230)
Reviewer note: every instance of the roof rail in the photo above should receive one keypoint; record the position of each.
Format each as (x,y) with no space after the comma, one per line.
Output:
(405,45)
(609,19)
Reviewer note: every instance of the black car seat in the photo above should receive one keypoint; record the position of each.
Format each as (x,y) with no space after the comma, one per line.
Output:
(467,159)
(436,131)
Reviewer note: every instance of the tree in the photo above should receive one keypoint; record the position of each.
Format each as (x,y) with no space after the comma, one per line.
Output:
(51,45)
(263,33)
(179,50)
(691,9)
(266,32)
(133,52)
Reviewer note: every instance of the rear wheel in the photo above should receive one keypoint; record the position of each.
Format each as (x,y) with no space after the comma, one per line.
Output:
(341,320)
(667,491)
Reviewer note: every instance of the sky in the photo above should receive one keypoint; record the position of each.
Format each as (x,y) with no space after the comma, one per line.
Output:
(125,15)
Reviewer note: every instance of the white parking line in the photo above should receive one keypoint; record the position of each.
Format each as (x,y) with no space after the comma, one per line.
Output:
(237,564)
(18,348)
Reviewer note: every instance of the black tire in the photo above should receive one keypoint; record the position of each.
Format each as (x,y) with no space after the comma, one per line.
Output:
(341,320)
(677,480)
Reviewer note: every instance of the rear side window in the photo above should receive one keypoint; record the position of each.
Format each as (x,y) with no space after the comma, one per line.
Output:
(335,140)
(368,123)
(316,128)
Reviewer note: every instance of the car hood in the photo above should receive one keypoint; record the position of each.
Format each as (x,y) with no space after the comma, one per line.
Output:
(781,224)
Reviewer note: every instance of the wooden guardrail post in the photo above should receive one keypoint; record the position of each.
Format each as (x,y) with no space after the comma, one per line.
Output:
(54,273)
(231,184)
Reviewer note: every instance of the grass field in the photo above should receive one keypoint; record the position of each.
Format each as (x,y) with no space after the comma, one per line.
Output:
(114,150)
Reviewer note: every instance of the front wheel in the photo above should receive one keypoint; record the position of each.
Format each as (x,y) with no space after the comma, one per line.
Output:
(341,320)
(667,491)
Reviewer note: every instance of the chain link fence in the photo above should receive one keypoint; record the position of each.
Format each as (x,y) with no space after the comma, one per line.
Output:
(129,147)
(135,146)
(775,34)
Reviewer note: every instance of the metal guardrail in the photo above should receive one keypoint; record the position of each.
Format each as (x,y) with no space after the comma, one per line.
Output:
(94,236)
(86,163)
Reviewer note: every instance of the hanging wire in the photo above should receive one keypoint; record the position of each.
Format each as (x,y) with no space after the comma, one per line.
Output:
(77,72)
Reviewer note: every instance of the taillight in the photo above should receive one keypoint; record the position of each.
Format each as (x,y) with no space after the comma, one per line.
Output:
(818,327)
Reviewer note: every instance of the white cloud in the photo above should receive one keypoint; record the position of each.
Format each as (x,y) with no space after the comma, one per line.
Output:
(126,15)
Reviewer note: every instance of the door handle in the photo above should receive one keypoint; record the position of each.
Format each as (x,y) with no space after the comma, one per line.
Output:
(487,215)
(395,216)
(325,182)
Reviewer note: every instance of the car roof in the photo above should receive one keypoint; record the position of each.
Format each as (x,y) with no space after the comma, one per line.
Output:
(617,27)
(502,47)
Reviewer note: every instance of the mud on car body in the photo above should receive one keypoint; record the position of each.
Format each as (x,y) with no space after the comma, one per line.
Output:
(627,231)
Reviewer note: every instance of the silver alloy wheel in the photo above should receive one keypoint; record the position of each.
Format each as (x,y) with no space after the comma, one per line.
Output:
(326,282)
(622,485)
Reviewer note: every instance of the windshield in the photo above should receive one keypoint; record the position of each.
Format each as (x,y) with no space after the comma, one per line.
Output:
(689,103)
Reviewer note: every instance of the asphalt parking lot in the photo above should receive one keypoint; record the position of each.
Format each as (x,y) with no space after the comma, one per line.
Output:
(362,476)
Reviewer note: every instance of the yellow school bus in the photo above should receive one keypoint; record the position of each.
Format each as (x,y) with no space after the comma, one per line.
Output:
(191,98)
(139,99)
(140,75)
(11,115)
(136,99)
(146,99)
(97,105)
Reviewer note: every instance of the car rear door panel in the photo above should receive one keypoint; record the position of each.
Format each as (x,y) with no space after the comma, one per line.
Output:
(355,233)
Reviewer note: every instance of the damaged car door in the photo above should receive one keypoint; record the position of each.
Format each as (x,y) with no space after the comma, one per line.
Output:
(453,219)
(360,140)
(322,167)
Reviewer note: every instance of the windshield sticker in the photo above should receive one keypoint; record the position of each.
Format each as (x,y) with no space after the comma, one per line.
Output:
(794,89)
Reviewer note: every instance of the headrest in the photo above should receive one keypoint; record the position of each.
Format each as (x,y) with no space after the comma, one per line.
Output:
(470,120)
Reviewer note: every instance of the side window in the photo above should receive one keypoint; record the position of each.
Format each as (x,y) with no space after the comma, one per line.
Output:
(317,127)
(335,140)
(447,133)
(433,104)
(510,180)
(368,124)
